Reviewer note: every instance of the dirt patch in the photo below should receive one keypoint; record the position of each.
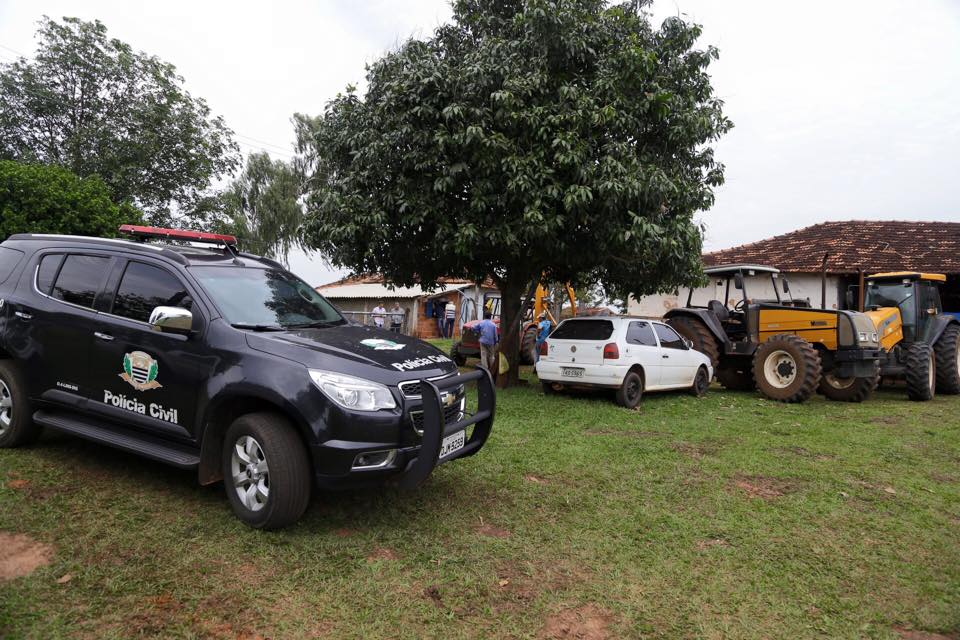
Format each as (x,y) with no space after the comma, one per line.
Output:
(627,434)
(534,479)
(432,593)
(697,450)
(21,555)
(806,453)
(589,622)
(492,531)
(344,532)
(943,478)
(764,487)
(888,419)
(913,634)
(383,553)
(18,485)
(703,545)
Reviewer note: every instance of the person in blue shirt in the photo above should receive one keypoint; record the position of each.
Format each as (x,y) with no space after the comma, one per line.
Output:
(489,337)
(543,330)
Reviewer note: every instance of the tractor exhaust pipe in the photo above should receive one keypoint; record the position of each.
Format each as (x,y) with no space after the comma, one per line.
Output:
(823,281)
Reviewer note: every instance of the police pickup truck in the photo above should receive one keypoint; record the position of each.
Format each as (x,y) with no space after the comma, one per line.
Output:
(177,347)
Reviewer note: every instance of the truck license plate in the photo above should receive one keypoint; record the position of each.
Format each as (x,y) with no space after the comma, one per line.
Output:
(572,372)
(453,443)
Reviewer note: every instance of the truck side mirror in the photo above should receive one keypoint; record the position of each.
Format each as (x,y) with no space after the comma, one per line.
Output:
(738,281)
(171,320)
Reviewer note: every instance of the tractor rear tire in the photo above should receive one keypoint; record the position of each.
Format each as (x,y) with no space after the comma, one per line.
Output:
(787,368)
(921,372)
(458,358)
(696,332)
(948,360)
(528,346)
(849,389)
(736,378)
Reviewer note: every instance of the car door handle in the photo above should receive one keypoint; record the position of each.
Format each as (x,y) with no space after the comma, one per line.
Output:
(103,336)
(664,356)
(23,315)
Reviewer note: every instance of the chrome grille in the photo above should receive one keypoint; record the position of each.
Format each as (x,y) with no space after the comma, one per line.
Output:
(450,415)
(411,388)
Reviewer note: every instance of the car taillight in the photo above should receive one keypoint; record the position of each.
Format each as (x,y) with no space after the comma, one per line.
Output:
(610,351)
(544,349)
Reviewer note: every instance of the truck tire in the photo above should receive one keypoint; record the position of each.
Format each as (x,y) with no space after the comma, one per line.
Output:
(631,390)
(458,358)
(736,378)
(16,410)
(787,368)
(696,332)
(266,471)
(848,389)
(528,346)
(921,372)
(947,350)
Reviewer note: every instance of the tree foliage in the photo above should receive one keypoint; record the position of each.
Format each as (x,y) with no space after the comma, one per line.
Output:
(46,199)
(558,138)
(93,105)
(263,207)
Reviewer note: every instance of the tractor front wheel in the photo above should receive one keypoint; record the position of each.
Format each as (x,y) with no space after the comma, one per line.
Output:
(947,351)
(848,389)
(921,372)
(787,368)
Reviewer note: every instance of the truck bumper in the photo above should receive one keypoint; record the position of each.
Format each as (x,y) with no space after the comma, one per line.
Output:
(856,363)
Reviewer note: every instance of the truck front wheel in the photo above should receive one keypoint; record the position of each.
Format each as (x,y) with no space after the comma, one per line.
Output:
(266,471)
(848,389)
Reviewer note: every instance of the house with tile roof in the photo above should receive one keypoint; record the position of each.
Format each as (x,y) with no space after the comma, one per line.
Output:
(845,250)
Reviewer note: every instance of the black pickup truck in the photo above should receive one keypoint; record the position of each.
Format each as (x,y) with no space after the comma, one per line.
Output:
(178,347)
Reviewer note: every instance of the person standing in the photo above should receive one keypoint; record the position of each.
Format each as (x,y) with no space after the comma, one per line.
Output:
(449,315)
(543,330)
(396,318)
(379,315)
(489,337)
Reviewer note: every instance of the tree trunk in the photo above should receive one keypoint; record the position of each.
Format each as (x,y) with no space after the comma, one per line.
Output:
(511,320)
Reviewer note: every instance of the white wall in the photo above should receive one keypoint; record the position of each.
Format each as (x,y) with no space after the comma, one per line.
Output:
(802,285)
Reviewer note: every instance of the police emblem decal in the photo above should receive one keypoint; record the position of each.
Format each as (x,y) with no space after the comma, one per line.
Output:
(140,370)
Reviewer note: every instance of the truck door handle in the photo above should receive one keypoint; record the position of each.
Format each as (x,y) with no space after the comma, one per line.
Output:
(103,336)
(23,315)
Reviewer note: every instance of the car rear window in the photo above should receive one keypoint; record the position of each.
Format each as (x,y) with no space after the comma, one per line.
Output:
(9,259)
(583,330)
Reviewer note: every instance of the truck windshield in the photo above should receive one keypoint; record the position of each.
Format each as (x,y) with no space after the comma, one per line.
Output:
(266,298)
(895,294)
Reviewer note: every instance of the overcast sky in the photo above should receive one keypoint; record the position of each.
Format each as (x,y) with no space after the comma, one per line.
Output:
(842,110)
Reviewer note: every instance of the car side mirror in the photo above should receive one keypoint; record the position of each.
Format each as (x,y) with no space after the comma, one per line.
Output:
(738,281)
(688,342)
(171,320)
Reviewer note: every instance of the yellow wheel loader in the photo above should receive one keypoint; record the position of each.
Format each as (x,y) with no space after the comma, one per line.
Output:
(784,348)
(920,343)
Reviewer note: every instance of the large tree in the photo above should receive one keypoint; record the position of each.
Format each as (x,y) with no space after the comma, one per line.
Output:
(93,105)
(263,208)
(557,139)
(45,199)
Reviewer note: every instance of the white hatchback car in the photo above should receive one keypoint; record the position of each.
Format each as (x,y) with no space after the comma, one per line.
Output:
(631,355)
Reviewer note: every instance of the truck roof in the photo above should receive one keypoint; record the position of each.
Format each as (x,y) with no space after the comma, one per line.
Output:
(910,275)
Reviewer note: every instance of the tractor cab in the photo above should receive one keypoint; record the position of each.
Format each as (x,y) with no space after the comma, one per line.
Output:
(915,295)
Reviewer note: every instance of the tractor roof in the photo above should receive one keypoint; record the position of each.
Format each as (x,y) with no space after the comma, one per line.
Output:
(730,269)
(908,275)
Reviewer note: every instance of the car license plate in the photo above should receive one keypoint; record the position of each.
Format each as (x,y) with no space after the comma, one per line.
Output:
(572,372)
(453,443)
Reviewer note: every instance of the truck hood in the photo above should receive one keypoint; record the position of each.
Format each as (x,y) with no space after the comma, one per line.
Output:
(367,352)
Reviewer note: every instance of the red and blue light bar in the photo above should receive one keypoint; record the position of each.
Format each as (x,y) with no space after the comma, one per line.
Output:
(178,234)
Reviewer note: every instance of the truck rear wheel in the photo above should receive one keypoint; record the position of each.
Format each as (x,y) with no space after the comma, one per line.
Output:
(528,346)
(848,389)
(16,411)
(787,368)
(266,471)
(947,351)
(921,372)
(696,332)
(736,378)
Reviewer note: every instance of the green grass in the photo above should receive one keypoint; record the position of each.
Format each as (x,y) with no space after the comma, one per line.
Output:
(722,517)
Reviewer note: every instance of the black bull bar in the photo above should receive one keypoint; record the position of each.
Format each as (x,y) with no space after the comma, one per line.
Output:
(435,429)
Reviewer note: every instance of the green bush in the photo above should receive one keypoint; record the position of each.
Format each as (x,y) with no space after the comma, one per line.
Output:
(48,199)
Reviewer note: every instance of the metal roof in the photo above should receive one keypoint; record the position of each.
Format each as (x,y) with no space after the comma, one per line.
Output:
(372,290)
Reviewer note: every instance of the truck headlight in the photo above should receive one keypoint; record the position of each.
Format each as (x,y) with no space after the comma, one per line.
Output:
(353,393)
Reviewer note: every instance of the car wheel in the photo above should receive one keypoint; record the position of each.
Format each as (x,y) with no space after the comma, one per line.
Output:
(550,388)
(266,471)
(16,411)
(701,383)
(631,390)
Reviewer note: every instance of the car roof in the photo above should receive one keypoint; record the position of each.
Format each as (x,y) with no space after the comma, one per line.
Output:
(615,318)
(185,254)
(721,269)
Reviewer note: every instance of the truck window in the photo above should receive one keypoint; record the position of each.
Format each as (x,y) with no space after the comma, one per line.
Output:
(144,287)
(47,271)
(669,339)
(583,330)
(9,259)
(80,279)
(641,333)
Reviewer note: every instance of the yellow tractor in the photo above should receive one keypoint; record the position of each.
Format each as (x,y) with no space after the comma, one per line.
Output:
(784,348)
(920,343)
